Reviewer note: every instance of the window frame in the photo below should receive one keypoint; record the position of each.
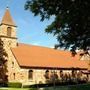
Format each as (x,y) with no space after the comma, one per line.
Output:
(30,74)
(9,31)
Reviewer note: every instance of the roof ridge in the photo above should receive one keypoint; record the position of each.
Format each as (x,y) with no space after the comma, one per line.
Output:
(44,47)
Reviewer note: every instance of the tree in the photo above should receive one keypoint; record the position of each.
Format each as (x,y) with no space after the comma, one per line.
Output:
(3,66)
(71,25)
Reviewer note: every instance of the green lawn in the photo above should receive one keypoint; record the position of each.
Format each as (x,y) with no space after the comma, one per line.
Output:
(18,89)
(14,89)
(72,87)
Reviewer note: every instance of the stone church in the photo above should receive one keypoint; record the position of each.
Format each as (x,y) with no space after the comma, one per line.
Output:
(31,64)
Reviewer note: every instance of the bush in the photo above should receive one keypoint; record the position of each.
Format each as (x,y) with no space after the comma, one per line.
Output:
(35,86)
(30,86)
(1,84)
(14,84)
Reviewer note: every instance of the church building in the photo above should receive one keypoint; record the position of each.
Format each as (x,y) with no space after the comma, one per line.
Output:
(30,64)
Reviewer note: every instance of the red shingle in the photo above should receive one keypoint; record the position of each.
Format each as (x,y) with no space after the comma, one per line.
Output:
(36,56)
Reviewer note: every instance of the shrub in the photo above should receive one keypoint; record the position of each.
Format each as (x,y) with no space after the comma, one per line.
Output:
(30,86)
(14,84)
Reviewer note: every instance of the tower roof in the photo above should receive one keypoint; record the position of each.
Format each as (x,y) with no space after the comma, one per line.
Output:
(7,19)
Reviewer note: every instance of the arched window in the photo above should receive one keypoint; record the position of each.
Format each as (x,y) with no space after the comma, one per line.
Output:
(73,73)
(61,74)
(9,31)
(30,74)
(46,74)
(14,76)
(12,64)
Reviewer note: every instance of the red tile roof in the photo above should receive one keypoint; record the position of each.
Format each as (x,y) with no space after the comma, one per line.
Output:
(36,56)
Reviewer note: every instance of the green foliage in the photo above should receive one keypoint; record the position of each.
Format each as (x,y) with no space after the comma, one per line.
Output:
(14,84)
(71,25)
(32,86)
(3,53)
(72,87)
(15,89)
(3,66)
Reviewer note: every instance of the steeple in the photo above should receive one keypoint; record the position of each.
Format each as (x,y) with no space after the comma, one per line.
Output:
(8,30)
(7,19)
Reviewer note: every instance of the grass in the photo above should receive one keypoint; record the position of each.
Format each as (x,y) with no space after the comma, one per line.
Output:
(18,89)
(71,87)
(14,89)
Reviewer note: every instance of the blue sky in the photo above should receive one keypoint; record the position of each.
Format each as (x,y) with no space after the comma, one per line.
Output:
(30,30)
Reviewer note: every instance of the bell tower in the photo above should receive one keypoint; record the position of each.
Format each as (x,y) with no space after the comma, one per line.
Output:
(8,30)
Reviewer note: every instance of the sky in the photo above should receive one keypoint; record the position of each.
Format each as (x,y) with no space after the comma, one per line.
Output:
(30,29)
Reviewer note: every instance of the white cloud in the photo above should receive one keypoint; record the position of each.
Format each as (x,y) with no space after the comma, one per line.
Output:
(40,44)
(36,43)
(51,46)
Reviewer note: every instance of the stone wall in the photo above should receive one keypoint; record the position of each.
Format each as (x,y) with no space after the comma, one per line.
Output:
(15,72)
(3,30)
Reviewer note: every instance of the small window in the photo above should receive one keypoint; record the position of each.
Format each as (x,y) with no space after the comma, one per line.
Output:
(30,74)
(74,72)
(61,73)
(9,31)
(14,76)
(12,64)
(47,71)
(47,74)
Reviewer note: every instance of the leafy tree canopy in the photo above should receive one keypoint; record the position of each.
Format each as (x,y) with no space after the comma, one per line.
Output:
(71,25)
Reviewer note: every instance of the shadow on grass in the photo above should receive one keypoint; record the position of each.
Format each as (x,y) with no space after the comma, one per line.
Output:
(68,87)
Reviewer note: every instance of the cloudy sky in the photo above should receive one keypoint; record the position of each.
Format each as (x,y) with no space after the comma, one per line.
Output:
(30,30)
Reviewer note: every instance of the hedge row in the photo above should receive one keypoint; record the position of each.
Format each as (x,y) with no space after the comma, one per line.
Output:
(11,84)
(14,84)
(52,84)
